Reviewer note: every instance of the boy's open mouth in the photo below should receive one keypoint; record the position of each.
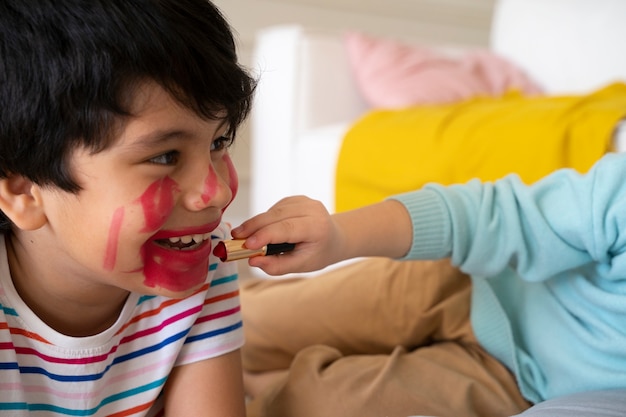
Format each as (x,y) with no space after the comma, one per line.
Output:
(187,242)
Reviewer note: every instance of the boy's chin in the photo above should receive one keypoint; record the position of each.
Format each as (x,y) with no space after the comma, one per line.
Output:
(164,292)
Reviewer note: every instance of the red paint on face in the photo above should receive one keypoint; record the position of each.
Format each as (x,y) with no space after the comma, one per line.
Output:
(211,184)
(110,255)
(158,202)
(233,178)
(166,268)
(175,270)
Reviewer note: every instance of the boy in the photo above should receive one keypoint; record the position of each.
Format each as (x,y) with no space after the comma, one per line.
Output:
(116,120)
(540,314)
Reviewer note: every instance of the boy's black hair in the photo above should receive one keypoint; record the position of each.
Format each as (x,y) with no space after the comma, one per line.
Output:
(68,69)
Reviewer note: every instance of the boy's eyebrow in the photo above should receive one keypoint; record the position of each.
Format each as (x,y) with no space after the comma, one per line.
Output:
(163,136)
(159,137)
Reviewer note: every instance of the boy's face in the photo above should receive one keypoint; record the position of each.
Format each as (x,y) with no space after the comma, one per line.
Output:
(143,219)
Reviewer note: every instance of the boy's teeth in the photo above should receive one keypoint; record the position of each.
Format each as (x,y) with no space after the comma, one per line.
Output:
(188,238)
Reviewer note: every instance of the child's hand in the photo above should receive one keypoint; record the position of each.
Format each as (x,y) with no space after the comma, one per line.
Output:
(298,220)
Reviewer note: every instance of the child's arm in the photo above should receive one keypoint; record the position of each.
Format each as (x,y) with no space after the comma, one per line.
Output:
(382,229)
(212,387)
(560,223)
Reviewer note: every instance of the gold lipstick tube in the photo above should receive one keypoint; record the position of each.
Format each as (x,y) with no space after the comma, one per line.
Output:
(233,250)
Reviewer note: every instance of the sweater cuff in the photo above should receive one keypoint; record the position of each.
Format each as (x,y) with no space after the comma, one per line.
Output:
(431,225)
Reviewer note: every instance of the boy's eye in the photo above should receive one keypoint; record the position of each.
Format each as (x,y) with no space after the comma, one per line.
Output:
(168,158)
(221,143)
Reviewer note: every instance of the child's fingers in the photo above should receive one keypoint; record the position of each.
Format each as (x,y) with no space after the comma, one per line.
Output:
(293,220)
(302,231)
(304,258)
(260,220)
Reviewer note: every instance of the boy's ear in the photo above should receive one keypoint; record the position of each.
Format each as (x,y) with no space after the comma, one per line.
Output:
(20,201)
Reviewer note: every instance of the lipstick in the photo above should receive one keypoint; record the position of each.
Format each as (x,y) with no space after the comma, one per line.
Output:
(232,250)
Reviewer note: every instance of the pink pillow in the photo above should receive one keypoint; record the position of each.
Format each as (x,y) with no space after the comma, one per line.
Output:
(392,74)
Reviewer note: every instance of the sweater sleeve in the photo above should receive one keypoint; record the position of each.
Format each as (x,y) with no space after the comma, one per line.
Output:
(559,223)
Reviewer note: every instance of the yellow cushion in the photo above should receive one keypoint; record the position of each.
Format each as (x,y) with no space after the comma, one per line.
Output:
(393,151)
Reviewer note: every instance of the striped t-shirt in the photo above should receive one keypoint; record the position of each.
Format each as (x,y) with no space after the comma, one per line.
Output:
(121,371)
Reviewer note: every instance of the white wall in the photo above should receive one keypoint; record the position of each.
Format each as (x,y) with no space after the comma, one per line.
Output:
(433,21)
(437,20)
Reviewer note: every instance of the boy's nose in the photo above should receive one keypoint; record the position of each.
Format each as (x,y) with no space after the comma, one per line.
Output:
(207,189)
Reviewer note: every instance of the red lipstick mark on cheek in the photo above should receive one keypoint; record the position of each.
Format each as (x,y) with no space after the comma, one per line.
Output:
(233,178)
(158,202)
(210,186)
(110,255)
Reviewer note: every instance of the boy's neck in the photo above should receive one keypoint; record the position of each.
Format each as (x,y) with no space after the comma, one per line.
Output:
(72,313)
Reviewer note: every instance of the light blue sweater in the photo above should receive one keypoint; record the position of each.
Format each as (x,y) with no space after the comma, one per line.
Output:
(548,264)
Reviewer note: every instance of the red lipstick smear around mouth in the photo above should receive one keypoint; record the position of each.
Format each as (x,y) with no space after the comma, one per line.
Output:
(114,234)
(169,269)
